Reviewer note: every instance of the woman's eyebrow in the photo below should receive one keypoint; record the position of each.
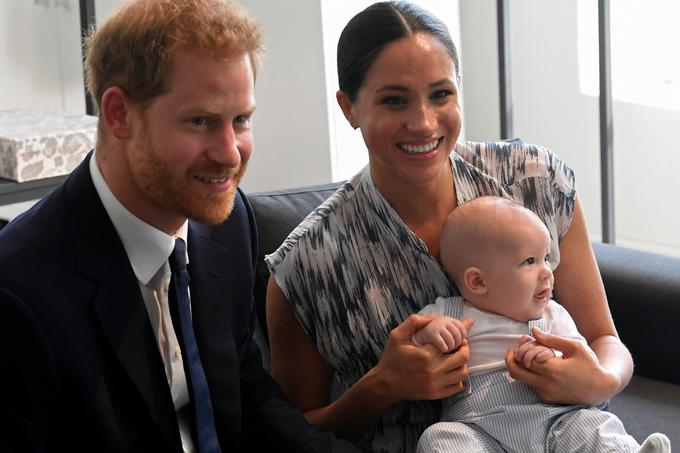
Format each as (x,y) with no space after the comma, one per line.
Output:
(392,88)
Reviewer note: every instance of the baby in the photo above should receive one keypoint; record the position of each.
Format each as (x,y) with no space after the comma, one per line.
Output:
(498,255)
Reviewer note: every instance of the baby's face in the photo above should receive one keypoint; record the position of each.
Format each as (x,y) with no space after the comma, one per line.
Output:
(519,277)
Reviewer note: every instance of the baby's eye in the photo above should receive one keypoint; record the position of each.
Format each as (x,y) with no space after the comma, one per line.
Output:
(530,260)
(547,258)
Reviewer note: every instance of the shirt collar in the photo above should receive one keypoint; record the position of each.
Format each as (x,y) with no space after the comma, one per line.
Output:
(147,247)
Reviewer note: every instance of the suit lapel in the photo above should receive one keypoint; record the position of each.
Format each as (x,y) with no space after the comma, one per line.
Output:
(118,304)
(213,282)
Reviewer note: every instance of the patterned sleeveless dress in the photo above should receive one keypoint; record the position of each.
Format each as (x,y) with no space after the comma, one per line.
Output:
(352,270)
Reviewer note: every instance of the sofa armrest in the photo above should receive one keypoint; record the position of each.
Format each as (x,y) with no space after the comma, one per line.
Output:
(643,290)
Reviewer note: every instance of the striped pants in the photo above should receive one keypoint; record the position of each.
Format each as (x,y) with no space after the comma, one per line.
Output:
(498,414)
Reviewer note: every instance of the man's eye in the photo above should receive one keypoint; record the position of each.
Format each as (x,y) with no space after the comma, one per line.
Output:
(199,121)
(242,119)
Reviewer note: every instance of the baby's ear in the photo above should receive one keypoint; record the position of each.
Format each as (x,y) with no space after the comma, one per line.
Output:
(473,278)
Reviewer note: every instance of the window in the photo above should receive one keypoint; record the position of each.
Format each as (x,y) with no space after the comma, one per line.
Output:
(645,72)
(554,64)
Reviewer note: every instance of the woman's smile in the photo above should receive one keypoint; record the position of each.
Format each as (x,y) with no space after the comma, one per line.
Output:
(420,149)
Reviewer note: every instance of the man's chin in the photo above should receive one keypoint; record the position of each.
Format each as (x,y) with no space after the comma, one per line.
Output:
(211,211)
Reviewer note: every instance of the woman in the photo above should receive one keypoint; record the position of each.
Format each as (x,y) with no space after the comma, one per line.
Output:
(345,281)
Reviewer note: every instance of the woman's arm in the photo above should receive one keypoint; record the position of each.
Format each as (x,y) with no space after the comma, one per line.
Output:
(404,372)
(579,377)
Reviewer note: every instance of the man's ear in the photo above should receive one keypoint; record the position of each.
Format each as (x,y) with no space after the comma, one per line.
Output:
(116,110)
(347,108)
(473,278)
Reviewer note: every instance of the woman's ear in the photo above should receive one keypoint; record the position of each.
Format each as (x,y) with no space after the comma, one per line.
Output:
(473,278)
(347,108)
(116,109)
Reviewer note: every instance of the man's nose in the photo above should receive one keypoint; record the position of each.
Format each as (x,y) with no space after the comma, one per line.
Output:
(225,149)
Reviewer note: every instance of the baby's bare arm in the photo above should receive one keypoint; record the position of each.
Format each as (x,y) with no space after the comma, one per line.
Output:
(444,332)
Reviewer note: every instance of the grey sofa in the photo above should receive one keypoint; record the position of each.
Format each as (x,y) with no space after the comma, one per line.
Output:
(643,291)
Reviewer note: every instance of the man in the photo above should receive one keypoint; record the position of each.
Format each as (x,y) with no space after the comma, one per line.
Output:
(105,348)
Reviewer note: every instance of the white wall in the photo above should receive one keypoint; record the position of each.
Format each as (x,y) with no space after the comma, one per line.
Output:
(291,121)
(481,107)
(102,8)
(40,55)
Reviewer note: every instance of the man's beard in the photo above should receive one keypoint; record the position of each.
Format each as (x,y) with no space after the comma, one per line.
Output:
(156,180)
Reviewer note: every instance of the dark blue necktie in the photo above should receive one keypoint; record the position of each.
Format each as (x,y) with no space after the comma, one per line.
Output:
(205,432)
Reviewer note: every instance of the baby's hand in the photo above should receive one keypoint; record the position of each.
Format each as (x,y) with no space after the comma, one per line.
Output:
(529,351)
(444,332)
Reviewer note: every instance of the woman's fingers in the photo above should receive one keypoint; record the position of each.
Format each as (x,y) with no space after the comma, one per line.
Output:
(411,372)
(404,331)
(568,346)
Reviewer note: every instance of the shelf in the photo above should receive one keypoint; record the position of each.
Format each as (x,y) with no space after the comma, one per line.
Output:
(15,192)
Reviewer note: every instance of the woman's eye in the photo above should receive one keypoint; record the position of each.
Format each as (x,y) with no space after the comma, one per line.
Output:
(441,95)
(393,100)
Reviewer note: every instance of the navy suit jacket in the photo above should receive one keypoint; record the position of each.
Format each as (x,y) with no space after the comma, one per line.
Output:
(80,369)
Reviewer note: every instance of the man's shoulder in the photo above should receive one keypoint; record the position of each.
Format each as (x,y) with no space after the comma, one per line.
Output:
(39,246)
(47,220)
(27,234)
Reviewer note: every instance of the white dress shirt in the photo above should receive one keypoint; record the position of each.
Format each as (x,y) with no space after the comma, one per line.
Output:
(148,249)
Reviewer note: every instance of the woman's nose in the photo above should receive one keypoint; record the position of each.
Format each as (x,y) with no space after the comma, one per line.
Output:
(423,119)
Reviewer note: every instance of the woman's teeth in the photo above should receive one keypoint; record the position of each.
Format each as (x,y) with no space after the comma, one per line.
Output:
(421,149)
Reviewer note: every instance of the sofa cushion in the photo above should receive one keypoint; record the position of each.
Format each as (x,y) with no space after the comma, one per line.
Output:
(648,406)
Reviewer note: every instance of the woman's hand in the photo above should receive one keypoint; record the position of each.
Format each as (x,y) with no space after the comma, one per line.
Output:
(409,372)
(578,378)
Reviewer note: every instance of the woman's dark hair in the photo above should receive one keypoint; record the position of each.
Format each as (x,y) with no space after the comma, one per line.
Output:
(367,34)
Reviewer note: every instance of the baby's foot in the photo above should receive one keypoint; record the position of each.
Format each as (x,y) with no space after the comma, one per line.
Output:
(656,443)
